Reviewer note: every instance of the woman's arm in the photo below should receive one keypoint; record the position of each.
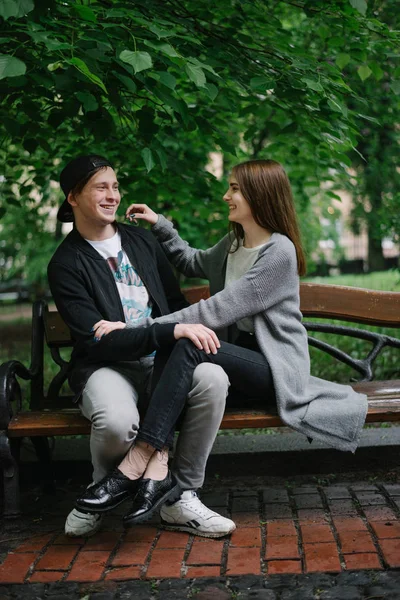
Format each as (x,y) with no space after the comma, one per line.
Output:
(189,261)
(176,300)
(268,282)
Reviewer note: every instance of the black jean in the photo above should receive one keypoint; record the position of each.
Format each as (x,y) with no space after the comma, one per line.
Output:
(248,372)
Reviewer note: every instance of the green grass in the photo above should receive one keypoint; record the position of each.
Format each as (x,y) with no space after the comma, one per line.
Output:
(382,280)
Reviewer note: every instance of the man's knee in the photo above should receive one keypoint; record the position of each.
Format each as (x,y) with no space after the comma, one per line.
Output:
(116,423)
(109,402)
(208,377)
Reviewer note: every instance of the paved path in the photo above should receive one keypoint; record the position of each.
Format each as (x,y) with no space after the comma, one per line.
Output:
(301,531)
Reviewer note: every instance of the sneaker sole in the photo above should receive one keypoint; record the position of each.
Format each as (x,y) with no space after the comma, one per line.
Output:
(93,531)
(83,535)
(193,531)
(172,495)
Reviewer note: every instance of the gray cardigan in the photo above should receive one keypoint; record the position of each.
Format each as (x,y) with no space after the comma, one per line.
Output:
(269,292)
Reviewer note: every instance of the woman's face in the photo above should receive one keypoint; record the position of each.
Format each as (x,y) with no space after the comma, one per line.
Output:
(99,200)
(239,208)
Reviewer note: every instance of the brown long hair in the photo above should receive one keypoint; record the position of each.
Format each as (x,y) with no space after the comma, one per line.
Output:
(266,187)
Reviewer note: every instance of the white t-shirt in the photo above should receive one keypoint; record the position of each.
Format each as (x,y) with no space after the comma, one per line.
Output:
(133,293)
(237,265)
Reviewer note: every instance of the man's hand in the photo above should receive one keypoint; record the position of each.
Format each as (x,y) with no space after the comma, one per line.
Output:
(141,211)
(104,327)
(202,337)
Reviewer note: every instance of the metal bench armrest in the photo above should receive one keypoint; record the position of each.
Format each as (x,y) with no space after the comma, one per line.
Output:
(9,388)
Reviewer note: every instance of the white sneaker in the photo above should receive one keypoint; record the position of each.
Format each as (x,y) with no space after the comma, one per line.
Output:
(80,524)
(190,515)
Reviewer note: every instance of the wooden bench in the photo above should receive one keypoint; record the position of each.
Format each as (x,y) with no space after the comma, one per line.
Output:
(52,414)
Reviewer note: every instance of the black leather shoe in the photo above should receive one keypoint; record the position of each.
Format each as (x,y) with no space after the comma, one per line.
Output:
(150,496)
(107,493)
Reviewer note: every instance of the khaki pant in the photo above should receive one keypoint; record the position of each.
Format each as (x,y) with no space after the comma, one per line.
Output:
(110,400)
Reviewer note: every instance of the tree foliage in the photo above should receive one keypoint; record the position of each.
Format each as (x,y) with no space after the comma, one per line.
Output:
(375,185)
(156,85)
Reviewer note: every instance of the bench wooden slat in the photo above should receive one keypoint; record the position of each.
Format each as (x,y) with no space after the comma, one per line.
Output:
(374,307)
(316,300)
(383,405)
(350,304)
(379,390)
(54,424)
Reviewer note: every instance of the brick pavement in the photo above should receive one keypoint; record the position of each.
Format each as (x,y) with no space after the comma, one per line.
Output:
(304,529)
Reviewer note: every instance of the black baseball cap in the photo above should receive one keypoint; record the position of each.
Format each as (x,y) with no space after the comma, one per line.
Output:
(75,171)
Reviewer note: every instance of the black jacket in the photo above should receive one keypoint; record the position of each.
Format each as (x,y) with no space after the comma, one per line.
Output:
(84,290)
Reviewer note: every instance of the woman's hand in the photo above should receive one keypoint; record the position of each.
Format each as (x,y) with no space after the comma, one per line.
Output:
(202,337)
(104,327)
(141,211)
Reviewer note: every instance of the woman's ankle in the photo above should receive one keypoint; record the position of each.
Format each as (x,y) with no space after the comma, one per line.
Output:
(157,467)
(136,460)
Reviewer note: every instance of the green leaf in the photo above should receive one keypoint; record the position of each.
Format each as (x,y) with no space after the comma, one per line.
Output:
(162,47)
(211,91)
(85,12)
(89,102)
(140,61)
(2,212)
(127,81)
(160,33)
(395,86)
(43,37)
(364,72)
(368,118)
(342,60)
(204,66)
(148,160)
(163,158)
(11,66)
(312,84)
(336,106)
(196,74)
(336,41)
(377,72)
(15,8)
(360,5)
(225,145)
(167,79)
(84,69)
(333,195)
(262,83)
(169,99)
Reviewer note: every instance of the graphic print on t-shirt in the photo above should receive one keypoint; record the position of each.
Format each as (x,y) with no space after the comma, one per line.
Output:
(132,291)
(134,297)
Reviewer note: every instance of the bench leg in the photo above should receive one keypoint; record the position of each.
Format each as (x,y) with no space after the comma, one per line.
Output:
(9,464)
(43,453)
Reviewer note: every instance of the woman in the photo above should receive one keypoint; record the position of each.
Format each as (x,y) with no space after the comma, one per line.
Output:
(254,284)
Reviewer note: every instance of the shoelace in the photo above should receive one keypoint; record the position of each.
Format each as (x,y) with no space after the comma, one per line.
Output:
(200,508)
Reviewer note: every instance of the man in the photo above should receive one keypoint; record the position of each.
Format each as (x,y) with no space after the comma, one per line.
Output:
(105,270)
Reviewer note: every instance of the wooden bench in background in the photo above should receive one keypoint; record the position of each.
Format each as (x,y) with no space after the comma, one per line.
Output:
(52,414)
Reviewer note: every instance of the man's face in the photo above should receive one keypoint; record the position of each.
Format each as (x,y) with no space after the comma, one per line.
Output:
(98,202)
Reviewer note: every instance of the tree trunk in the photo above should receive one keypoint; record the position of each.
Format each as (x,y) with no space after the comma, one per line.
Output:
(376,261)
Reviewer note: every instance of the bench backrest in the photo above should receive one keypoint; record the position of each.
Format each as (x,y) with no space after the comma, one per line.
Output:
(342,303)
